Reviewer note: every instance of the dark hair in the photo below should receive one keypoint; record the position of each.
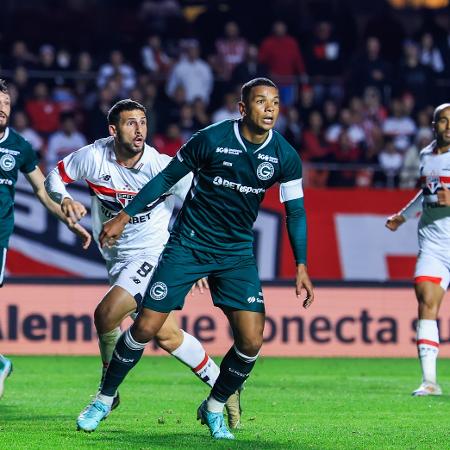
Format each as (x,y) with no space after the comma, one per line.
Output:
(3,87)
(438,111)
(123,105)
(247,87)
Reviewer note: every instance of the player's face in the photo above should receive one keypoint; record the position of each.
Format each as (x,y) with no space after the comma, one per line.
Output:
(132,131)
(442,128)
(262,108)
(5,111)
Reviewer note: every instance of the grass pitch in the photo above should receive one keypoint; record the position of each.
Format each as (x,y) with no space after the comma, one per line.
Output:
(288,404)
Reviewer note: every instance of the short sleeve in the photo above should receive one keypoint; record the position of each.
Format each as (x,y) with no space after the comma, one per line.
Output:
(77,166)
(30,161)
(195,152)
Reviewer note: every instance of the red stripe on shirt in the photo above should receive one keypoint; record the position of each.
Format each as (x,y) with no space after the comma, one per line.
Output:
(63,173)
(202,364)
(441,179)
(427,342)
(421,279)
(106,190)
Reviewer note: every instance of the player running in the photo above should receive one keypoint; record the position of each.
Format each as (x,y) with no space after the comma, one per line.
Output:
(115,169)
(16,154)
(234,163)
(432,274)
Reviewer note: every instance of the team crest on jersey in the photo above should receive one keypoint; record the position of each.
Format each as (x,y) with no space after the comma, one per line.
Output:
(7,162)
(158,291)
(265,171)
(124,198)
(432,183)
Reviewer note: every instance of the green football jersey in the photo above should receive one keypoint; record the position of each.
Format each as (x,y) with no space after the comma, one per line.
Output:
(231,176)
(15,154)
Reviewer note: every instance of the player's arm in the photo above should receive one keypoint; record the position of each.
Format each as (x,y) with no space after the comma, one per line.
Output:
(157,186)
(72,210)
(37,182)
(296,227)
(410,210)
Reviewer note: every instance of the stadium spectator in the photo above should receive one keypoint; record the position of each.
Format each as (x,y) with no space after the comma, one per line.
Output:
(391,162)
(21,124)
(120,70)
(42,110)
(399,126)
(47,58)
(154,59)
(200,111)
(20,56)
(64,141)
(230,51)
(228,110)
(170,141)
(293,128)
(249,68)
(430,54)
(192,73)
(285,67)
(432,273)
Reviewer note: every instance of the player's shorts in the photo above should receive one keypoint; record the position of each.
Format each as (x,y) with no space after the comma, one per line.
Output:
(3,252)
(132,275)
(434,268)
(233,280)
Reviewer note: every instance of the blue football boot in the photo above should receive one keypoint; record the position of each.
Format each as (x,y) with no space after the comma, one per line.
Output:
(91,416)
(215,422)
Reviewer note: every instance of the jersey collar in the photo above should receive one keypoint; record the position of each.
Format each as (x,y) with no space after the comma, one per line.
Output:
(5,136)
(241,141)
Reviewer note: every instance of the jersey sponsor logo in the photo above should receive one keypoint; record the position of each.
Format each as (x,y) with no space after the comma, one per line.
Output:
(265,171)
(6,181)
(133,220)
(268,158)
(219,181)
(7,162)
(10,152)
(255,299)
(229,151)
(158,291)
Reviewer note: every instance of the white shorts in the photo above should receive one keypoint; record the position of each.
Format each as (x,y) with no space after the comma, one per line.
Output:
(434,268)
(132,275)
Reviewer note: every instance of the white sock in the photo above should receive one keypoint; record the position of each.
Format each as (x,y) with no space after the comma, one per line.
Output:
(106,399)
(214,405)
(107,343)
(428,348)
(192,353)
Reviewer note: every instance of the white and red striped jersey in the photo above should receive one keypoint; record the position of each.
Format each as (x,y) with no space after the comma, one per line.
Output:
(112,186)
(434,223)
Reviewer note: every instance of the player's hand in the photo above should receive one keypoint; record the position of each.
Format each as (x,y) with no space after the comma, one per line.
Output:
(112,229)
(302,281)
(201,285)
(83,234)
(444,196)
(394,221)
(73,211)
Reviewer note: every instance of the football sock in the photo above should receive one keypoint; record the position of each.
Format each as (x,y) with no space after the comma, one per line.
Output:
(106,343)
(428,348)
(125,356)
(234,370)
(192,353)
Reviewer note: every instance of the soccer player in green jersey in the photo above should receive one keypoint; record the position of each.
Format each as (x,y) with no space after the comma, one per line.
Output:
(234,163)
(16,154)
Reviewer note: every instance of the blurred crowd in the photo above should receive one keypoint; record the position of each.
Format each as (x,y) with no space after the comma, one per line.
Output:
(357,114)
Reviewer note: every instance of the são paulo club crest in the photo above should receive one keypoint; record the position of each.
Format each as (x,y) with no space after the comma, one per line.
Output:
(432,182)
(124,198)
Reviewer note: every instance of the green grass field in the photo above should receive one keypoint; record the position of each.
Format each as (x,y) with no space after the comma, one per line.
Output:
(288,403)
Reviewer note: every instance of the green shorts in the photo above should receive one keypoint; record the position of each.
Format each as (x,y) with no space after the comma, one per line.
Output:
(233,280)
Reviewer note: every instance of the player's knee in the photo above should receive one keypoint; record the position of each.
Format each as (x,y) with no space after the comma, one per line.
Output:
(427,301)
(249,345)
(104,319)
(143,330)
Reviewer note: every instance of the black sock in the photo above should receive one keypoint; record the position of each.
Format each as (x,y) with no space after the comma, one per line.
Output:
(126,355)
(234,370)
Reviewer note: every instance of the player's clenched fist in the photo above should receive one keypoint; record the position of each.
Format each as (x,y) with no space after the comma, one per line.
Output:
(73,210)
(112,229)
(393,222)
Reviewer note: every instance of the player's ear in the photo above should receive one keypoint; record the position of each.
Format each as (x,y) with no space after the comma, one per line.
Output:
(242,108)
(112,130)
